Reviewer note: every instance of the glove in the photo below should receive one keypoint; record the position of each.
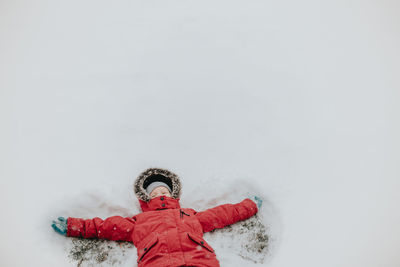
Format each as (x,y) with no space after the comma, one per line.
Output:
(60,226)
(257,200)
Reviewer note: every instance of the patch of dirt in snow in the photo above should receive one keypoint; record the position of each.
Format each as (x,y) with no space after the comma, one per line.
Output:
(249,239)
(96,252)
(255,239)
(103,201)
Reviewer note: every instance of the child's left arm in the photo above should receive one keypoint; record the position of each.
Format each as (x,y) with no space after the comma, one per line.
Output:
(226,214)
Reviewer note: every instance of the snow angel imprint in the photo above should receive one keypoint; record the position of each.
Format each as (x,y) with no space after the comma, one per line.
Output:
(164,233)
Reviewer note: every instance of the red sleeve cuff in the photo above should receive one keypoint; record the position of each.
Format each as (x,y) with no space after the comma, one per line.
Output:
(251,206)
(75,227)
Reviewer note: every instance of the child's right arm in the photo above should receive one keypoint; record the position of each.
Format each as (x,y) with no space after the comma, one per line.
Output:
(114,228)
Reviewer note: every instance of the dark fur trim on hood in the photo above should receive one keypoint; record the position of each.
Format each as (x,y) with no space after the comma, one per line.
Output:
(156,174)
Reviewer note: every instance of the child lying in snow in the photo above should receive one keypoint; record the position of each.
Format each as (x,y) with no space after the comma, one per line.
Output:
(164,233)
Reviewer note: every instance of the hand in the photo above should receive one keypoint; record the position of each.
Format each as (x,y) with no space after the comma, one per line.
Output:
(257,200)
(60,226)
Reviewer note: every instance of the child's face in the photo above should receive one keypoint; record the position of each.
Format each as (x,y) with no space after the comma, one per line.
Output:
(160,191)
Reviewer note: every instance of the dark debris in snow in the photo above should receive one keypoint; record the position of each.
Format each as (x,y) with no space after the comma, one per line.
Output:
(94,252)
(250,239)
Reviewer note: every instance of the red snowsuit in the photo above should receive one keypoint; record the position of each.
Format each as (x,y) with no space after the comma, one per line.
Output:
(166,234)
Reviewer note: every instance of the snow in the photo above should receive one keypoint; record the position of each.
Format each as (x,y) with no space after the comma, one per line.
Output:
(294,101)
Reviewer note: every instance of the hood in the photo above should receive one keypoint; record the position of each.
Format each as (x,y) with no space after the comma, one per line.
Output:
(156,174)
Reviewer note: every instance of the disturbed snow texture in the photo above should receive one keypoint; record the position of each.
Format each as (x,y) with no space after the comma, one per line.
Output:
(245,243)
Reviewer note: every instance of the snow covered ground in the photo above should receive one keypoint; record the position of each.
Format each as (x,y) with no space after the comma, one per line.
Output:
(296,101)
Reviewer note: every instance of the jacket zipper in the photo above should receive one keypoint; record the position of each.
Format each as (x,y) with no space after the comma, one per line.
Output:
(146,251)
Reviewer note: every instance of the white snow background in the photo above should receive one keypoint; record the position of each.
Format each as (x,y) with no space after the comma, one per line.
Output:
(296,99)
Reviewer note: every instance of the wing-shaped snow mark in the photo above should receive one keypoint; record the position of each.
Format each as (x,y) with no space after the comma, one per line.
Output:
(254,239)
(103,202)
(249,239)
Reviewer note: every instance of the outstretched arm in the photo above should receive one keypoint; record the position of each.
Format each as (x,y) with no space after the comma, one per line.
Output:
(114,228)
(226,214)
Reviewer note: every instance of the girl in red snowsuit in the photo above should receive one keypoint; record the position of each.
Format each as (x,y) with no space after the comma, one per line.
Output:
(164,233)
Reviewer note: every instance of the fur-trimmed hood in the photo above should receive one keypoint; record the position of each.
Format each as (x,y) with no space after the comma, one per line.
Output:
(156,174)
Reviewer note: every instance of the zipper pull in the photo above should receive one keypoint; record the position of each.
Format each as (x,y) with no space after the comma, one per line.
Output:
(184,213)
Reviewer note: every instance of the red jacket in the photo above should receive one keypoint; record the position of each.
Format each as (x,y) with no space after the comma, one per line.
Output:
(164,233)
